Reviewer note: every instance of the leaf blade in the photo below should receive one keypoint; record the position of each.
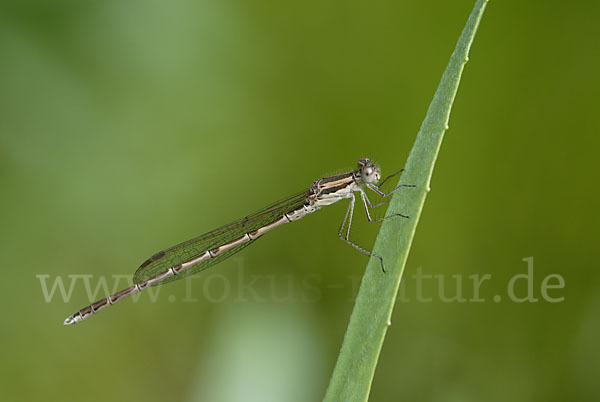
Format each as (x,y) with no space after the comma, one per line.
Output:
(353,374)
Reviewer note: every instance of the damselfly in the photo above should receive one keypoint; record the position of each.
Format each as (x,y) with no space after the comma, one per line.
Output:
(213,247)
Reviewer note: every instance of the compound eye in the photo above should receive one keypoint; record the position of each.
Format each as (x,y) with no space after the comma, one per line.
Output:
(369,171)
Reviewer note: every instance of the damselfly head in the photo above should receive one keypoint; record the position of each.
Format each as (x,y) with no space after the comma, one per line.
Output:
(369,173)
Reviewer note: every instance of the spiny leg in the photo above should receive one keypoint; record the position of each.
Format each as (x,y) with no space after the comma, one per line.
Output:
(381,193)
(378,204)
(344,221)
(367,204)
(348,218)
(389,177)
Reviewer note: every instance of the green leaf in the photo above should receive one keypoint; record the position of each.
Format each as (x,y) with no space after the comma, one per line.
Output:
(355,367)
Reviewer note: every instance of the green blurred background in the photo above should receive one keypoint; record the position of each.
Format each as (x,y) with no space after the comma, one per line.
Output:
(129,126)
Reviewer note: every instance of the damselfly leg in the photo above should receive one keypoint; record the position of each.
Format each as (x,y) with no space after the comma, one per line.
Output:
(368,206)
(345,237)
(389,177)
